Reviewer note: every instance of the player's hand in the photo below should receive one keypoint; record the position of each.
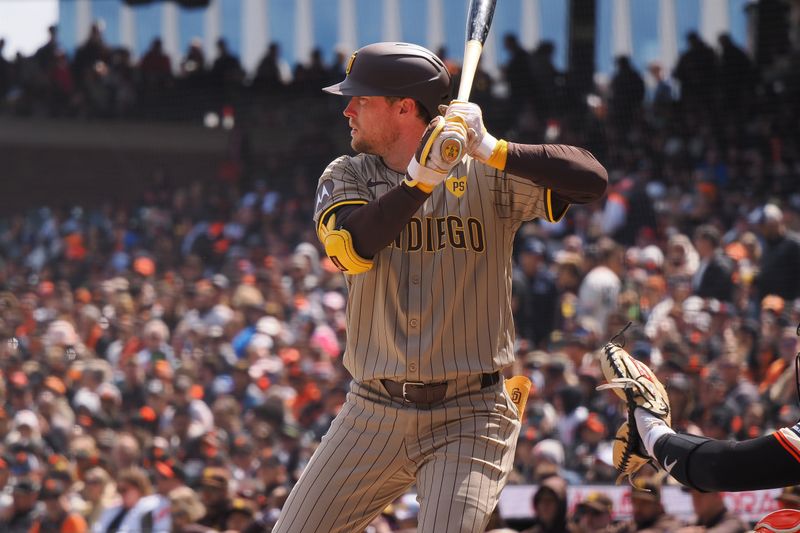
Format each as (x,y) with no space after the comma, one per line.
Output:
(430,165)
(480,142)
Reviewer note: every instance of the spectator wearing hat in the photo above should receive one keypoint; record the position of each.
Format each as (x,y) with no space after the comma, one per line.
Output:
(713,277)
(648,511)
(58,515)
(535,294)
(133,484)
(712,515)
(240,515)
(249,301)
(186,509)
(155,508)
(550,507)
(780,260)
(593,513)
(214,493)
(19,517)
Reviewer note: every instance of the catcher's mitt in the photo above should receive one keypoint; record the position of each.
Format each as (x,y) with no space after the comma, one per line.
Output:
(637,386)
(628,455)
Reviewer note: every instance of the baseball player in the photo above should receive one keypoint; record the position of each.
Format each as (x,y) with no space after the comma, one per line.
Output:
(702,463)
(423,232)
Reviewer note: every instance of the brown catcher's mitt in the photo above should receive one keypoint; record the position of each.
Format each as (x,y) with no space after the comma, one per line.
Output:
(637,386)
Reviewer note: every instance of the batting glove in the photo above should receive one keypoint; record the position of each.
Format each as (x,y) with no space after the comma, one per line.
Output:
(437,154)
(480,143)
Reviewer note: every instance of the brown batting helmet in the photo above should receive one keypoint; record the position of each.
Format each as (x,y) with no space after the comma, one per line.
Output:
(396,69)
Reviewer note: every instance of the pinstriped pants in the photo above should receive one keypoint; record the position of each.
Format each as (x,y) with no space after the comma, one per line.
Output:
(458,453)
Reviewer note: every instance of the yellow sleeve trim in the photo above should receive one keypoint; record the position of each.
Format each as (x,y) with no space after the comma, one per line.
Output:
(427,189)
(548,206)
(323,217)
(499,155)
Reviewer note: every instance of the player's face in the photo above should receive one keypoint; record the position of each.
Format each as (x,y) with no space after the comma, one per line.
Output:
(645,510)
(372,124)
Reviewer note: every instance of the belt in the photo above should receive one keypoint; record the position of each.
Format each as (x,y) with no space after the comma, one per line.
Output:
(426,394)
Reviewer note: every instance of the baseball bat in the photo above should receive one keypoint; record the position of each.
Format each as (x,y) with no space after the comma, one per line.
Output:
(479,20)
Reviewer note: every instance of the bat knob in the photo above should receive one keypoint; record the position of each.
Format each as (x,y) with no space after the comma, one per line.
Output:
(451,150)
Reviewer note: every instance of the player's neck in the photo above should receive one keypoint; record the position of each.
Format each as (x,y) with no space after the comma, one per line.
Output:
(402,150)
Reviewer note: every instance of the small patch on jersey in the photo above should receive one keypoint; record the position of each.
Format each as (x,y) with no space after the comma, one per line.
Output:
(456,186)
(323,193)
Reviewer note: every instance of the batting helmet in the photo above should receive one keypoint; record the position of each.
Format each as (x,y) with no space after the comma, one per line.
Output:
(396,69)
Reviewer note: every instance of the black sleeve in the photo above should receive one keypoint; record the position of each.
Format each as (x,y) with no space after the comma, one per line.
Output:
(716,465)
(573,174)
(377,223)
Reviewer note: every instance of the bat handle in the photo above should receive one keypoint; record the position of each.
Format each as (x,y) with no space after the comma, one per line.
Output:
(452,148)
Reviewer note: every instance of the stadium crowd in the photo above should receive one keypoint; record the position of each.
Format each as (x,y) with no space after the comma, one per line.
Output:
(175,360)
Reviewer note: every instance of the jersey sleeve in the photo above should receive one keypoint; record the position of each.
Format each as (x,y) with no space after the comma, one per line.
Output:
(520,199)
(339,185)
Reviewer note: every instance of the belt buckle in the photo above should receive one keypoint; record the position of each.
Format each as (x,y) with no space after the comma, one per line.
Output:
(405,384)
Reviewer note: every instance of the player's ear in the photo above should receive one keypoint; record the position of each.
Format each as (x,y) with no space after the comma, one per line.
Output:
(407,106)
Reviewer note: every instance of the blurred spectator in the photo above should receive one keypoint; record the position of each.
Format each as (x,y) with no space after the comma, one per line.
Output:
(132,485)
(789,498)
(697,73)
(780,259)
(713,277)
(648,510)
(736,75)
(712,515)
(536,294)
(186,509)
(518,69)
(550,507)
(214,493)
(270,75)
(627,93)
(593,513)
(599,291)
(58,515)
(19,517)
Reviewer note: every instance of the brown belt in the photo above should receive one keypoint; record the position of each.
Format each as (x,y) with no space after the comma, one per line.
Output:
(427,394)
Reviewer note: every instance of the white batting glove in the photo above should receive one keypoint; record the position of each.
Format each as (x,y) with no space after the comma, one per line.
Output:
(430,165)
(480,142)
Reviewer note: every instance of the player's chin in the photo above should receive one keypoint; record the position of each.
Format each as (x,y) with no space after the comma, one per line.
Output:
(360,146)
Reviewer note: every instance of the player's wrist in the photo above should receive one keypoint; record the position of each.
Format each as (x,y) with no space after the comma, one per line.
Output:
(422,177)
(492,151)
(414,184)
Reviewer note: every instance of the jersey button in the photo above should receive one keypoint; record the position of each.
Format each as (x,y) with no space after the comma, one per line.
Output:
(412,322)
(415,279)
(412,367)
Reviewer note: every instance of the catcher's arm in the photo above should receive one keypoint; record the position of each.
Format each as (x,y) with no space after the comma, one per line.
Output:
(726,465)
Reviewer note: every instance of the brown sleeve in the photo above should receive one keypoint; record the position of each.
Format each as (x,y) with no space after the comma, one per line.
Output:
(377,223)
(573,174)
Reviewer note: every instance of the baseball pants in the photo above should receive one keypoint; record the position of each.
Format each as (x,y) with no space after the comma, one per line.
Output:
(459,453)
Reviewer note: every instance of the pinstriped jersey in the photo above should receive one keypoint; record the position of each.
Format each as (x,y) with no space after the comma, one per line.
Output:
(436,304)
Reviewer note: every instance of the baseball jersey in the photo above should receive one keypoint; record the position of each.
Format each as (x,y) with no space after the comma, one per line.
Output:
(436,304)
